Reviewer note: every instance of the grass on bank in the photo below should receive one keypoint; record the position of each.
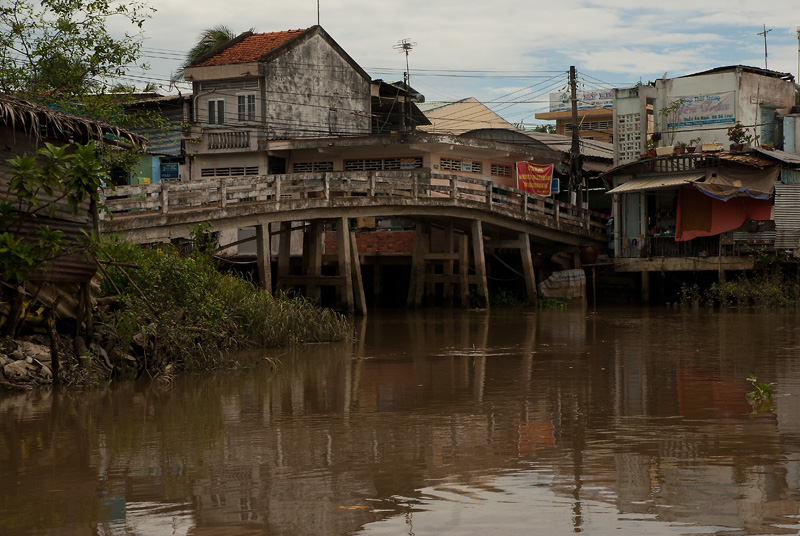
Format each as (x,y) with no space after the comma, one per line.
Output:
(760,289)
(170,308)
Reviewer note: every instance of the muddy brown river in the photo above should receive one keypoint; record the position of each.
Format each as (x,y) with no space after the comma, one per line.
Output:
(439,422)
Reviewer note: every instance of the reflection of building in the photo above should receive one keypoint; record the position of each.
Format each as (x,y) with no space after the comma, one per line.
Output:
(595,114)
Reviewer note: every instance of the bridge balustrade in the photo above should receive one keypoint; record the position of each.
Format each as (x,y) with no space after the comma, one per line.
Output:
(291,190)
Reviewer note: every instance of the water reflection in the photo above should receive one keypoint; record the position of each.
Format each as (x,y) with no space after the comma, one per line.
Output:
(458,422)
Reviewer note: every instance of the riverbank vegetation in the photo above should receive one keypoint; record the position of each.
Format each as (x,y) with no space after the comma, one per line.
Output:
(160,312)
(166,307)
(772,288)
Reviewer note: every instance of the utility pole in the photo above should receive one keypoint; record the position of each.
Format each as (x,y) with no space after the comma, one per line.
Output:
(764,33)
(575,160)
(405,45)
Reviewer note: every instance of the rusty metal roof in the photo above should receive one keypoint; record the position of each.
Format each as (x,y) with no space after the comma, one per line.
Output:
(655,182)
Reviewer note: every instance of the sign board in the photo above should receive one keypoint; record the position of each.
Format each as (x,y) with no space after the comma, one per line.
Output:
(587,100)
(169,171)
(701,110)
(534,178)
(408,163)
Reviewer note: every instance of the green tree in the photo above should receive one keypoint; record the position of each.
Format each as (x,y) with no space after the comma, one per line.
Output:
(56,51)
(34,189)
(209,39)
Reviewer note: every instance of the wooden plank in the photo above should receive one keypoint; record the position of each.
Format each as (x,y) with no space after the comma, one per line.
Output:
(479,260)
(345,268)
(527,269)
(463,270)
(314,259)
(358,285)
(263,257)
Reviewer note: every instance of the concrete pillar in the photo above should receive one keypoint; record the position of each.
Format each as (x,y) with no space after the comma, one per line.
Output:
(479,260)
(527,269)
(448,265)
(345,267)
(645,287)
(357,282)
(263,254)
(313,259)
(463,270)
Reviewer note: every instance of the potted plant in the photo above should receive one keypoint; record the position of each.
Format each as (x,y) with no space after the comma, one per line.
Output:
(680,147)
(739,135)
(694,143)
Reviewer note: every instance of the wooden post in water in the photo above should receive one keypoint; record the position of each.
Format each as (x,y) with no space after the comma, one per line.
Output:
(345,269)
(448,265)
(358,283)
(284,252)
(314,260)
(421,267)
(263,254)
(479,259)
(416,257)
(463,270)
(527,268)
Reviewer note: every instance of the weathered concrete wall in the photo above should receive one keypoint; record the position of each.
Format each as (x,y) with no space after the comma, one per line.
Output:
(312,91)
(752,92)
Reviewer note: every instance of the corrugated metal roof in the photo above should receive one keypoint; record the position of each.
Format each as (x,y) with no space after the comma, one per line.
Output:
(782,156)
(654,182)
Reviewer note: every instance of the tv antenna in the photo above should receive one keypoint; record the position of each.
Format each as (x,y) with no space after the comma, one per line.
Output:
(405,46)
(764,33)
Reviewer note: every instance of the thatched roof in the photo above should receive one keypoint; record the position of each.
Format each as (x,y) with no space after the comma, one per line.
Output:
(31,117)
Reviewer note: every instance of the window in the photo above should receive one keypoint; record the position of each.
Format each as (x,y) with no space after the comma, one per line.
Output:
(229,171)
(246,106)
(376,164)
(447,164)
(308,167)
(216,111)
(501,170)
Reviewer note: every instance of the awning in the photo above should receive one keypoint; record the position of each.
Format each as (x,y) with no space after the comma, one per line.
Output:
(654,182)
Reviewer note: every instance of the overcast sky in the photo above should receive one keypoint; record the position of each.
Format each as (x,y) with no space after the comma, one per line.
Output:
(509,54)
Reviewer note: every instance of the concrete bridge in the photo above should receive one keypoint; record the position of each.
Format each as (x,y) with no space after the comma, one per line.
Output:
(491,215)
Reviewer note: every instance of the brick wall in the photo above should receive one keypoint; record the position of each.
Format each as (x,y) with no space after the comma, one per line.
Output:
(375,242)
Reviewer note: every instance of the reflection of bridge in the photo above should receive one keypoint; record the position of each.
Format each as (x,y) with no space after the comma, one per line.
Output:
(493,215)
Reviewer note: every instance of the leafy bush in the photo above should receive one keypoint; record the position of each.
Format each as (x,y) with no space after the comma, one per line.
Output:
(189,313)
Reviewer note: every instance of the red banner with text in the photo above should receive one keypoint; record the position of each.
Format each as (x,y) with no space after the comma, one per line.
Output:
(534,178)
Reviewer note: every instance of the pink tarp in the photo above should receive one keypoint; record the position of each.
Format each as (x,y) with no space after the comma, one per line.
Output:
(701,215)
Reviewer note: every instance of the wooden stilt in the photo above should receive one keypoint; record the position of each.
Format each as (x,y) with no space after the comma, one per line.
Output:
(343,239)
(313,257)
(463,270)
(527,269)
(284,253)
(358,284)
(447,265)
(424,247)
(479,260)
(416,258)
(263,255)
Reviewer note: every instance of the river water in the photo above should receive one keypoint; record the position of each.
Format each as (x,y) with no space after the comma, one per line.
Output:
(439,422)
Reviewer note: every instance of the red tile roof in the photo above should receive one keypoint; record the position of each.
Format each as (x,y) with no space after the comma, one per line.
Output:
(251,48)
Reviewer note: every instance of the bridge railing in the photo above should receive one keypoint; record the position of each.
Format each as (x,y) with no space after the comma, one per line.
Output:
(286,191)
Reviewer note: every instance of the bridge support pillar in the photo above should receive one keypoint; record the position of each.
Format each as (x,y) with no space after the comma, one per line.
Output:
(345,264)
(263,255)
(313,258)
(284,250)
(479,260)
(416,287)
(358,284)
(527,269)
(448,264)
